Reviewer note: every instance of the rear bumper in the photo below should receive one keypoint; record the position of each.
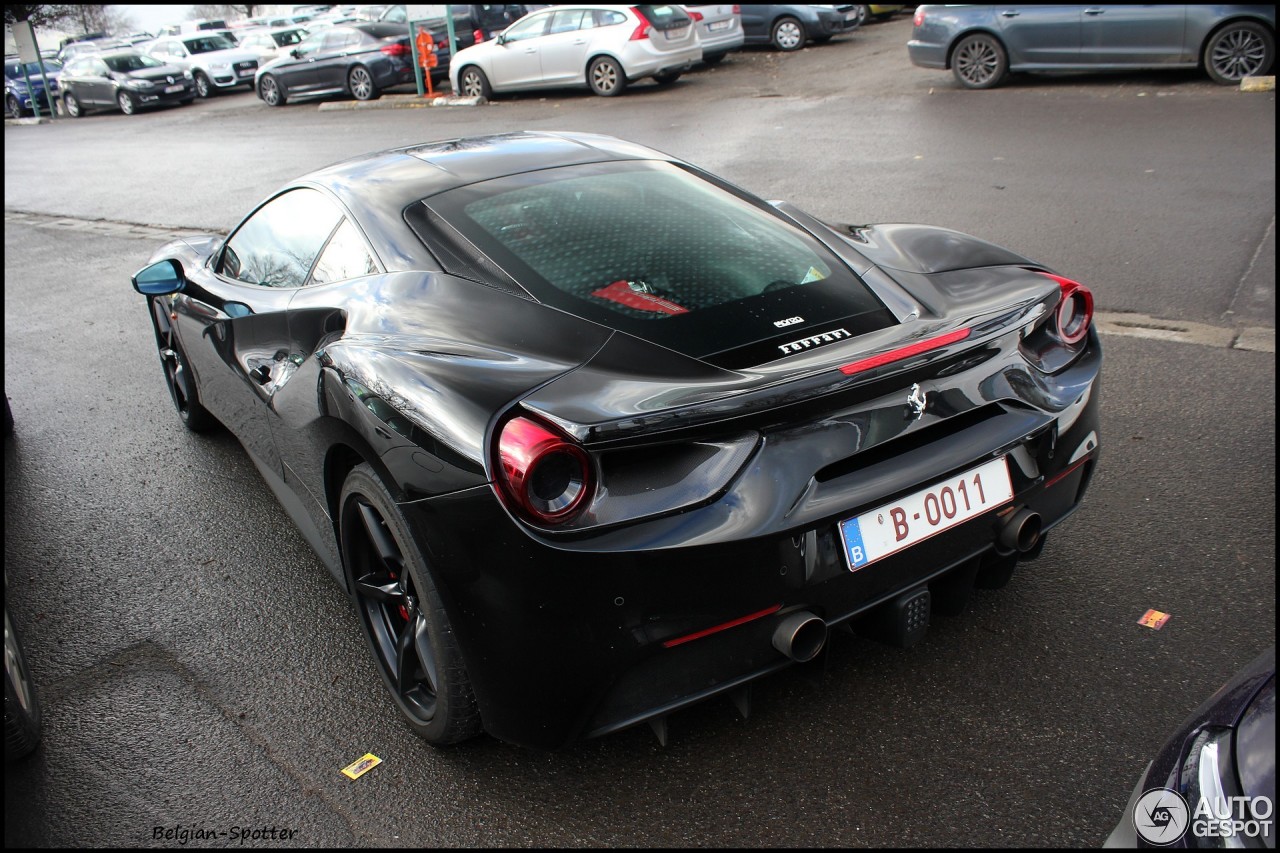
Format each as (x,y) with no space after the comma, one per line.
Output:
(926,54)
(586,626)
(721,41)
(640,60)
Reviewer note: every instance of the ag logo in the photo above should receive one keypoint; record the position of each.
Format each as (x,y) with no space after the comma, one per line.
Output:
(1161,816)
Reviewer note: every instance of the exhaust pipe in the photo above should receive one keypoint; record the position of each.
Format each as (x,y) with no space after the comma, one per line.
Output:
(1022,532)
(800,636)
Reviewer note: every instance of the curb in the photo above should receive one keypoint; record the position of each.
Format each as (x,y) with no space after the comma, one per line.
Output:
(1258,84)
(404,102)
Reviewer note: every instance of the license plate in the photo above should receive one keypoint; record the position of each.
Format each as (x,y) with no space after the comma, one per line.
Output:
(246,72)
(170,89)
(890,528)
(718,25)
(676,35)
(849,16)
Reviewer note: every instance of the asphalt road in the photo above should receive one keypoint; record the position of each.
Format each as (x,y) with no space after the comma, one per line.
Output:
(200,670)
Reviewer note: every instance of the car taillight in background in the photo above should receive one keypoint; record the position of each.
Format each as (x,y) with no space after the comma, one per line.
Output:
(919,18)
(1075,311)
(642,31)
(478,35)
(542,474)
(697,16)
(395,49)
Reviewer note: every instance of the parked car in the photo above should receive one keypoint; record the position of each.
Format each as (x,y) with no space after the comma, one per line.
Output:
(212,59)
(466,30)
(574,420)
(1217,768)
(982,44)
(71,50)
(880,12)
(272,44)
(125,80)
(719,29)
(491,19)
(792,27)
(602,48)
(18,95)
(357,61)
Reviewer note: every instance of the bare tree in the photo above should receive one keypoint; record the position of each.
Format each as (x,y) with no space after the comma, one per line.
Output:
(112,20)
(223,11)
(39,16)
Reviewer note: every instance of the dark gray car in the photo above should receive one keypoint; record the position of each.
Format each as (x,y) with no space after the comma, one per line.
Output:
(791,27)
(982,44)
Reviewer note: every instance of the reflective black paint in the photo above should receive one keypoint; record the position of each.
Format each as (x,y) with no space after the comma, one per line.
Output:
(411,370)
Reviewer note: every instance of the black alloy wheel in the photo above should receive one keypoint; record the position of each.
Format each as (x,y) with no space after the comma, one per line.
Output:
(361,84)
(474,83)
(606,77)
(402,614)
(979,62)
(270,91)
(1241,49)
(181,384)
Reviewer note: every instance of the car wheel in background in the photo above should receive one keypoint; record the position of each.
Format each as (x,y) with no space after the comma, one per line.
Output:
(787,34)
(474,83)
(979,62)
(21,707)
(72,103)
(12,107)
(361,84)
(1238,50)
(861,14)
(270,91)
(402,614)
(666,78)
(606,77)
(186,102)
(126,103)
(715,58)
(204,88)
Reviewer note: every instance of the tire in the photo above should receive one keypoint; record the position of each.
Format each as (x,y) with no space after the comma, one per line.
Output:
(979,62)
(126,103)
(1238,50)
(715,58)
(12,107)
(666,78)
(606,77)
(21,704)
(787,34)
(822,39)
(474,84)
(863,13)
(178,378)
(72,103)
(204,86)
(186,102)
(271,92)
(360,84)
(402,615)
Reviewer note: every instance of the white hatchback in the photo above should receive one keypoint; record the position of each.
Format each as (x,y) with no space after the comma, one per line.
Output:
(601,47)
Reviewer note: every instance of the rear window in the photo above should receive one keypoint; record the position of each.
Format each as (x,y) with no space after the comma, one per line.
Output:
(657,251)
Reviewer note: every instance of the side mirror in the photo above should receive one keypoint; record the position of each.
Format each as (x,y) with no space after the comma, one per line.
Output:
(501,39)
(160,279)
(295,53)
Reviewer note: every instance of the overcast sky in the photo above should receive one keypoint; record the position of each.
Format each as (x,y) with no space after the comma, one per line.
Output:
(151,18)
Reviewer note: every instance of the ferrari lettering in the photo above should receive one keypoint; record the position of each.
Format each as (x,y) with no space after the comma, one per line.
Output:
(814,341)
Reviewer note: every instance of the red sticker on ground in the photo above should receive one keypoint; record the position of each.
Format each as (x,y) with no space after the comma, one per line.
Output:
(1154,619)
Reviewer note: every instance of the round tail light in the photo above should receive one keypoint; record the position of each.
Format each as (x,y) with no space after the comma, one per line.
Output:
(1075,310)
(544,475)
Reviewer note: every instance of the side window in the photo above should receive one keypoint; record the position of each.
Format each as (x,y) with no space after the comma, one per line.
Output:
(527,29)
(100,69)
(337,40)
(345,257)
(565,21)
(607,17)
(396,15)
(277,245)
(310,44)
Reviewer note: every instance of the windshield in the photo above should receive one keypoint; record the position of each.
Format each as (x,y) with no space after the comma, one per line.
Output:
(131,62)
(657,251)
(208,44)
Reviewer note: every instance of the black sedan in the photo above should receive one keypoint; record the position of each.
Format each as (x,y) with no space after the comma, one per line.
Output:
(357,61)
(123,80)
(590,435)
(791,27)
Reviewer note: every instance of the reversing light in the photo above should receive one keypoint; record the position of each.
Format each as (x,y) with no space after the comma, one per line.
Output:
(1075,311)
(544,475)
(641,31)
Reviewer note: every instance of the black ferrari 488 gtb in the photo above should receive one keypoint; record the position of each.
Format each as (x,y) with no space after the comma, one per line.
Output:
(589,434)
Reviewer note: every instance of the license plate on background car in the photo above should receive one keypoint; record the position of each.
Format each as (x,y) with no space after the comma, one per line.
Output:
(718,25)
(676,35)
(177,88)
(901,524)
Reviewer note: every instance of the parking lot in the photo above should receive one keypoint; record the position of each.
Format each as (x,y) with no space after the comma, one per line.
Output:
(201,671)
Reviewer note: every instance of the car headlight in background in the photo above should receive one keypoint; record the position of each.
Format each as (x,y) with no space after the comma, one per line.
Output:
(220,66)
(133,83)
